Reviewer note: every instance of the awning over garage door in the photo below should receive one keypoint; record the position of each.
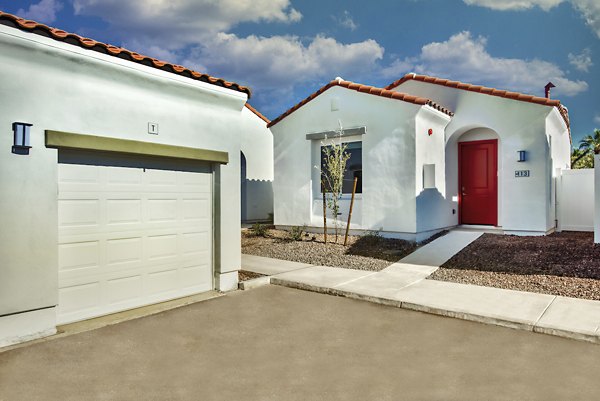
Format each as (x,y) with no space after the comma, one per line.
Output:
(67,140)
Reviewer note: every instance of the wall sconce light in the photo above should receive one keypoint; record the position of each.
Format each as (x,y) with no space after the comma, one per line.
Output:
(22,141)
(522,155)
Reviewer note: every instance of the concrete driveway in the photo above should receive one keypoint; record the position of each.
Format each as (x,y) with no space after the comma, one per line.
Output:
(276,343)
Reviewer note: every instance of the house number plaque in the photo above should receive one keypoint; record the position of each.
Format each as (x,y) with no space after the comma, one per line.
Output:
(521,173)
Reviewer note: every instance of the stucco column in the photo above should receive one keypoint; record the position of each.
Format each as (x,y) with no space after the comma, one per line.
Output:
(597,199)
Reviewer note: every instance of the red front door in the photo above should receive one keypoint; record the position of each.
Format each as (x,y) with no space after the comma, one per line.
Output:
(478,182)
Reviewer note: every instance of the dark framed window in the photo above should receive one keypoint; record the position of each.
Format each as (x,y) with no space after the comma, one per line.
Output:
(353,167)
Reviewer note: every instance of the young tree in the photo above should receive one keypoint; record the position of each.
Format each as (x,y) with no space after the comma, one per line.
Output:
(333,168)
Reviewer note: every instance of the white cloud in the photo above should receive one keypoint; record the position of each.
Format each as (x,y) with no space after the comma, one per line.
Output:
(44,11)
(514,4)
(173,24)
(582,61)
(589,9)
(345,20)
(282,62)
(465,58)
(597,118)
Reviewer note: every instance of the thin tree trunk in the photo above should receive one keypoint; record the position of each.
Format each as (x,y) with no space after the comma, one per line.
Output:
(350,212)
(324,217)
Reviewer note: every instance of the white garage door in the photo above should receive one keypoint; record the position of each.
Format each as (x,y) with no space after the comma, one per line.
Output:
(131,236)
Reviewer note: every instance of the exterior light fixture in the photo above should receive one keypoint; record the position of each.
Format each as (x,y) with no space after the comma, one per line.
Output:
(22,141)
(522,155)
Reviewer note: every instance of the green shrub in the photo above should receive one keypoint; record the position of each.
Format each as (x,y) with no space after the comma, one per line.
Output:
(259,230)
(296,232)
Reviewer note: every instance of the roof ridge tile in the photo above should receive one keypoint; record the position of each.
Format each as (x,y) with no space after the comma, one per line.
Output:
(91,44)
(486,91)
(367,89)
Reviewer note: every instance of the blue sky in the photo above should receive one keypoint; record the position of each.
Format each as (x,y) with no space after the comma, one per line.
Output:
(286,49)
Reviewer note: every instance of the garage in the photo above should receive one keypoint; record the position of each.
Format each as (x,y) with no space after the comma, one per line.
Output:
(120,179)
(132,231)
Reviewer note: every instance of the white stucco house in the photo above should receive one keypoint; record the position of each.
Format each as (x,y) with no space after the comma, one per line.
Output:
(430,154)
(120,179)
(256,167)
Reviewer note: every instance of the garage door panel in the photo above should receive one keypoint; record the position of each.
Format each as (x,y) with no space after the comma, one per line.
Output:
(79,255)
(195,209)
(124,289)
(78,212)
(124,179)
(121,251)
(162,210)
(162,281)
(131,236)
(123,211)
(194,274)
(79,297)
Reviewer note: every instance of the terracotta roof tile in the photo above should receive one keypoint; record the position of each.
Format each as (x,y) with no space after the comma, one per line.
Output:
(485,90)
(252,109)
(371,90)
(87,43)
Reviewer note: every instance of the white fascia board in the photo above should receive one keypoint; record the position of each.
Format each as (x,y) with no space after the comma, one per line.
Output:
(430,111)
(557,118)
(116,62)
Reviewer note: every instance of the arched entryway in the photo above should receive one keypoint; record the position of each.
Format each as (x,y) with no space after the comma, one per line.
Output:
(475,151)
(478,182)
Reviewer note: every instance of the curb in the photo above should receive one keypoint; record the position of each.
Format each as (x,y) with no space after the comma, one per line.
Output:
(491,320)
(254,283)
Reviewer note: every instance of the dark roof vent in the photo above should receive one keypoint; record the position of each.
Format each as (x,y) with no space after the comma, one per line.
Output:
(547,88)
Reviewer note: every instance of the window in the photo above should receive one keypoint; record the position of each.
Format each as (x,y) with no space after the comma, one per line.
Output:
(353,167)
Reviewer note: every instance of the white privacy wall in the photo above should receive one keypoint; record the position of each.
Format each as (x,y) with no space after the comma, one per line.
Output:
(257,146)
(526,204)
(576,200)
(57,86)
(597,199)
(389,161)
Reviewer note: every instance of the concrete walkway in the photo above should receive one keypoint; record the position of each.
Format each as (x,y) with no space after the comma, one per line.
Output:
(404,285)
(269,266)
(408,289)
(440,250)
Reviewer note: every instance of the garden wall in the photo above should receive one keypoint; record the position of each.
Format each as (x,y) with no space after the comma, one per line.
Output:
(576,200)
(597,211)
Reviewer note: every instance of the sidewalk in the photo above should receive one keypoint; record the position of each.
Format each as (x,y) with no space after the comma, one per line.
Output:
(549,314)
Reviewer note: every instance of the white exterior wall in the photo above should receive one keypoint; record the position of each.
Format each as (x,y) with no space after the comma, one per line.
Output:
(525,206)
(576,200)
(61,87)
(559,143)
(597,199)
(257,146)
(389,162)
(432,206)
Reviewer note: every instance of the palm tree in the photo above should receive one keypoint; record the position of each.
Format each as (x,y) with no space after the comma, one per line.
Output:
(589,144)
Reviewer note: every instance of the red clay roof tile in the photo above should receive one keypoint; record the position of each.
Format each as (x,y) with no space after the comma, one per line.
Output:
(371,90)
(87,43)
(252,109)
(485,90)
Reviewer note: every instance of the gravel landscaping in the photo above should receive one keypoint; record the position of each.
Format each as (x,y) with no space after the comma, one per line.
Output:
(244,275)
(370,252)
(566,264)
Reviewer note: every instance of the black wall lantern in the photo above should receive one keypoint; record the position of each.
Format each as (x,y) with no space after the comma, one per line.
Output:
(22,140)
(522,155)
